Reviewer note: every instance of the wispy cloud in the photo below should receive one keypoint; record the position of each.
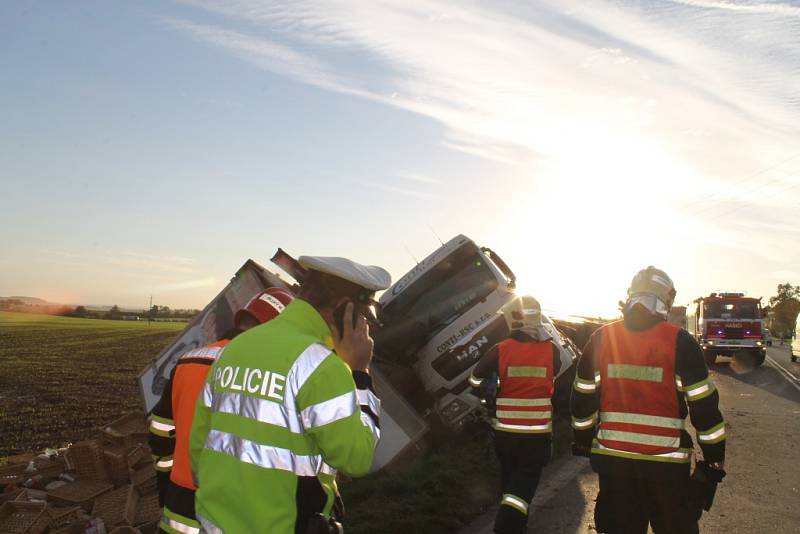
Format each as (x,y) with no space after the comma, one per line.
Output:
(396,189)
(681,96)
(742,7)
(418,177)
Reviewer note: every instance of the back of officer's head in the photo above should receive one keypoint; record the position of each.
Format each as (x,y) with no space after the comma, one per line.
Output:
(325,292)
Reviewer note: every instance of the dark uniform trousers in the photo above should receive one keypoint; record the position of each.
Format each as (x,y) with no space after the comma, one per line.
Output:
(522,457)
(179,500)
(626,505)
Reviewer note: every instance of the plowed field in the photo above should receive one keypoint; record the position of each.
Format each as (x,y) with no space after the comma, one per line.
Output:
(62,378)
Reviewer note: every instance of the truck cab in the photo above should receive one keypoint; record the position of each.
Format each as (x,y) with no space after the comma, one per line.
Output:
(442,316)
(726,324)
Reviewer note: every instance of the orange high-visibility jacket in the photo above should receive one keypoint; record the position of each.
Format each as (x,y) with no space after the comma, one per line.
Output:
(525,370)
(171,420)
(639,411)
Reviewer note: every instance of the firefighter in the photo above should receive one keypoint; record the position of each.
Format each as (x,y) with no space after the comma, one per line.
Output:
(524,365)
(171,420)
(289,404)
(636,380)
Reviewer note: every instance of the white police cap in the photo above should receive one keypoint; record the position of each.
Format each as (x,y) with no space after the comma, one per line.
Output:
(369,277)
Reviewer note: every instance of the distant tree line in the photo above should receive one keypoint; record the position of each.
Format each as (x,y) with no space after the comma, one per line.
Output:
(156,313)
(783,310)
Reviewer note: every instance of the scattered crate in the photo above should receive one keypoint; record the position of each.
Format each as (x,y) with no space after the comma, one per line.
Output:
(80,493)
(11,495)
(144,477)
(129,429)
(49,467)
(148,510)
(64,517)
(149,528)
(116,507)
(13,474)
(119,460)
(125,530)
(78,527)
(23,518)
(86,460)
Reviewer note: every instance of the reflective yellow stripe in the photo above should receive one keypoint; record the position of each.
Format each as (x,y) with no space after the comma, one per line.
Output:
(642,419)
(527,372)
(713,435)
(635,372)
(582,424)
(680,456)
(508,401)
(474,382)
(700,390)
(514,502)
(519,414)
(605,434)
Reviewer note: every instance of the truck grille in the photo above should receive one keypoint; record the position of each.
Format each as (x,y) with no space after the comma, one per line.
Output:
(734,333)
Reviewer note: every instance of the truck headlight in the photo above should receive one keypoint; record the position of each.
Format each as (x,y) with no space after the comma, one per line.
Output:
(710,342)
(759,343)
(453,409)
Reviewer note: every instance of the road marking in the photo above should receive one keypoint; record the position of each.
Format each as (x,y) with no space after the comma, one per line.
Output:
(793,380)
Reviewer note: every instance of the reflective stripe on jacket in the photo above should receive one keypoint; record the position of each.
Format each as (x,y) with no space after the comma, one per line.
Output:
(525,372)
(279,414)
(639,416)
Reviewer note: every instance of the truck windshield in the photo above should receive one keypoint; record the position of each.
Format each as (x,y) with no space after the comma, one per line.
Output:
(440,295)
(740,309)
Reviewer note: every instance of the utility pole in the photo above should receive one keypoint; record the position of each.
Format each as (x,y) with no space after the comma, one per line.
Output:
(150,310)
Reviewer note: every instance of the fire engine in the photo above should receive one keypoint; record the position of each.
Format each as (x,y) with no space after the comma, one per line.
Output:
(727,324)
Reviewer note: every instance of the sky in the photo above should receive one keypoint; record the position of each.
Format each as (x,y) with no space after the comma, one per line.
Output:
(150,148)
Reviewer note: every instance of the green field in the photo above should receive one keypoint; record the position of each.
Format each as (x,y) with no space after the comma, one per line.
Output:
(61,378)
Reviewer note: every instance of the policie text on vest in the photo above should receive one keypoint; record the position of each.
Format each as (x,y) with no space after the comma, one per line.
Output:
(266,383)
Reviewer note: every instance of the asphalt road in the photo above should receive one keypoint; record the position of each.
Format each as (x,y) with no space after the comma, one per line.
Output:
(761,493)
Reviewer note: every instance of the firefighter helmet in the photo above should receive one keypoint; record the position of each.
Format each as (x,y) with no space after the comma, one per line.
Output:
(653,289)
(524,314)
(266,305)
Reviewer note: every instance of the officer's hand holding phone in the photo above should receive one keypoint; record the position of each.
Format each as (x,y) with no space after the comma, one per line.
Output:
(351,339)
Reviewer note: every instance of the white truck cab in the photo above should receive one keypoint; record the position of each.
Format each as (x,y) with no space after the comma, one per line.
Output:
(442,316)
(795,348)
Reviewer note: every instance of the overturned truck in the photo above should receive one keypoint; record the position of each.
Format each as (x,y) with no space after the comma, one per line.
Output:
(434,324)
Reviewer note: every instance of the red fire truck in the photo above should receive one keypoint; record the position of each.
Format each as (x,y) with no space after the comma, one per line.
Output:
(727,324)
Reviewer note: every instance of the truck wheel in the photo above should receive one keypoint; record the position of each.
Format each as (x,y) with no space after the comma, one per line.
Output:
(711,357)
(794,358)
(759,356)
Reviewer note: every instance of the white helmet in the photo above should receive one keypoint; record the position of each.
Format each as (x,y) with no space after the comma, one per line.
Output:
(524,314)
(653,289)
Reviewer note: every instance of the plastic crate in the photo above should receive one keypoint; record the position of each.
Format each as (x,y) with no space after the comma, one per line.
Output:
(64,517)
(50,467)
(147,508)
(125,530)
(116,507)
(144,477)
(80,493)
(129,429)
(23,518)
(86,460)
(11,495)
(119,460)
(13,474)
(77,527)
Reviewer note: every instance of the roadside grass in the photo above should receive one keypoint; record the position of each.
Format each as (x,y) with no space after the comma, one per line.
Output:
(61,378)
(439,492)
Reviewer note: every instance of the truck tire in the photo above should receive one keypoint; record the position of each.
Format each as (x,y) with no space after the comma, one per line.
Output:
(759,356)
(710,357)
(794,358)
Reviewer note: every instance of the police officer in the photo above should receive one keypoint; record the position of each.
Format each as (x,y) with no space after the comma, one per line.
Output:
(524,365)
(171,420)
(636,380)
(287,405)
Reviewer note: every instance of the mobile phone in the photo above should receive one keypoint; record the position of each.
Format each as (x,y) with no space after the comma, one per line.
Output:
(338,316)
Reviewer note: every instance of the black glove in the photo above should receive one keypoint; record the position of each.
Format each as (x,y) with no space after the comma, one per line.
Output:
(703,484)
(580,450)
